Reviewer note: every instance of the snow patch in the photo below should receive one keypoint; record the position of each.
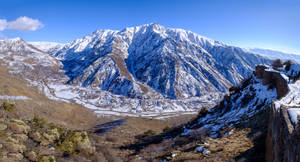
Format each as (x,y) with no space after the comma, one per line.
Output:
(14,98)
(294,114)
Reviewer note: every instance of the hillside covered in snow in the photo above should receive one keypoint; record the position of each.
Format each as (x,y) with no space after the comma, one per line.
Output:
(49,47)
(173,62)
(143,70)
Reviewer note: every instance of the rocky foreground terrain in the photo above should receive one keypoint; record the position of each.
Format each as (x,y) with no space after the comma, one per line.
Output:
(37,140)
(258,121)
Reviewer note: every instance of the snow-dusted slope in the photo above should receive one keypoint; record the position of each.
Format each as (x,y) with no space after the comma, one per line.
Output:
(44,71)
(242,105)
(31,63)
(18,51)
(150,59)
(249,98)
(49,47)
(272,54)
(146,70)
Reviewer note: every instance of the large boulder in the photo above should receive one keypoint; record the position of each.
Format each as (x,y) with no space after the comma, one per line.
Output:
(2,126)
(15,156)
(18,126)
(15,147)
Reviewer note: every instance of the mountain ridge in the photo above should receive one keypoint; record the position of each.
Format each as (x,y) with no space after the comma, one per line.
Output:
(153,41)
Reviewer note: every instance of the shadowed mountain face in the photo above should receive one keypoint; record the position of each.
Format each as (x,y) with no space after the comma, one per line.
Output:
(153,60)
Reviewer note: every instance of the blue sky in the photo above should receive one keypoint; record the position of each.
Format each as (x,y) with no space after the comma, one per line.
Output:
(273,24)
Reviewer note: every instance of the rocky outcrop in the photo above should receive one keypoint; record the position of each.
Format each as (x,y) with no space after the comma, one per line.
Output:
(283,140)
(273,78)
(259,71)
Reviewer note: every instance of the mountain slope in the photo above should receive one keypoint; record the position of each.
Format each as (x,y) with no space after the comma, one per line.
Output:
(173,62)
(236,129)
(29,62)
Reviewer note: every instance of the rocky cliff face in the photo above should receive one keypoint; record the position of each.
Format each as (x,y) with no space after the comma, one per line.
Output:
(271,90)
(283,139)
(273,78)
(283,142)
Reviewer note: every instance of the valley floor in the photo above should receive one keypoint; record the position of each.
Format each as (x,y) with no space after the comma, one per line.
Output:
(132,138)
(155,141)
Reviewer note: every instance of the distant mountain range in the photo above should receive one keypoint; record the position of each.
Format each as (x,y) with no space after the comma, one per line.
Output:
(272,54)
(49,47)
(148,68)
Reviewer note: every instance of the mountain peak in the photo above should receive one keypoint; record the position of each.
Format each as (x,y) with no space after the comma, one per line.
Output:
(17,39)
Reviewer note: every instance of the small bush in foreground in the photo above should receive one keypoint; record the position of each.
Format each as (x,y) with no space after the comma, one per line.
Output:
(7,106)
(38,121)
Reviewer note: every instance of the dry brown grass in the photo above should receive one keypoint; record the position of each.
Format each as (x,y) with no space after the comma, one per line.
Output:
(69,115)
(231,146)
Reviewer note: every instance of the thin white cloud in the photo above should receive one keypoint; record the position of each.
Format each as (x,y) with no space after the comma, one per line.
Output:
(3,24)
(22,23)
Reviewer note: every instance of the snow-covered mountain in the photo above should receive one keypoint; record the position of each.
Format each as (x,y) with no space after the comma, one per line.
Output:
(21,52)
(272,54)
(173,62)
(49,47)
(142,71)
(29,62)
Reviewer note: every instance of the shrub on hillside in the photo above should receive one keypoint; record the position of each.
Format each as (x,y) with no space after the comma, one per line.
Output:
(74,142)
(8,106)
(38,121)
(149,132)
(166,129)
